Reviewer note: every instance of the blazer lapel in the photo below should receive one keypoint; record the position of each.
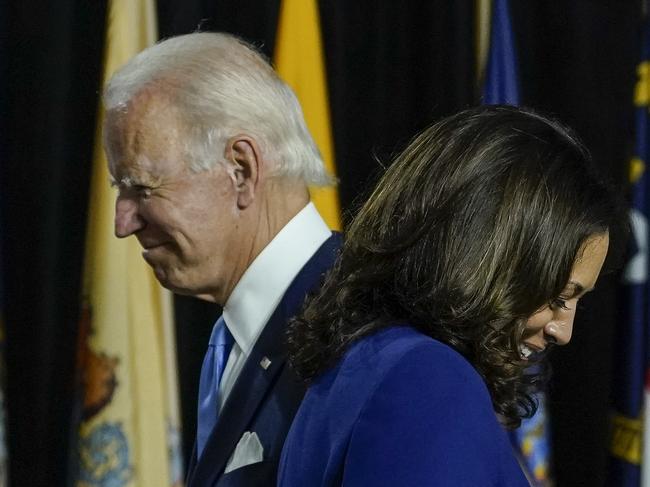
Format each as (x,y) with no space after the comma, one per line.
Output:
(266,361)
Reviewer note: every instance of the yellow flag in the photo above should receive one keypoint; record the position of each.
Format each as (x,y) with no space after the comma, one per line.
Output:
(130,431)
(299,61)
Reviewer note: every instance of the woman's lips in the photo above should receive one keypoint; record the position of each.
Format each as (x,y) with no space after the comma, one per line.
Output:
(526,350)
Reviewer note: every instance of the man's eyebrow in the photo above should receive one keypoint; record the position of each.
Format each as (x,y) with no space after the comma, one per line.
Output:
(125,182)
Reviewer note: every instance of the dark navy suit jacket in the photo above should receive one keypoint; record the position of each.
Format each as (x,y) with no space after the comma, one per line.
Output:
(263,401)
(400,409)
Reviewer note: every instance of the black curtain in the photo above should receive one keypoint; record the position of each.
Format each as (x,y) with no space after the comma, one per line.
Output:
(52,54)
(389,77)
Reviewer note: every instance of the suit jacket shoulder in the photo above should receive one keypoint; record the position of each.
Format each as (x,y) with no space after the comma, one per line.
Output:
(266,395)
(399,409)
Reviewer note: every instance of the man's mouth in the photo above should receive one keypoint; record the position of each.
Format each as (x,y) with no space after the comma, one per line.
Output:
(150,246)
(149,252)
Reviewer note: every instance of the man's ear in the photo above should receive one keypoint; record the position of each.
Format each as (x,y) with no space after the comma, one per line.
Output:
(244,161)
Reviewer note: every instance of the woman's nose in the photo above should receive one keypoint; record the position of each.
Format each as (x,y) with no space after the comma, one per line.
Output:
(560,330)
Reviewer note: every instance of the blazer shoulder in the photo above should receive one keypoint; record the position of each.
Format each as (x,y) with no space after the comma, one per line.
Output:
(431,413)
(400,408)
(401,346)
(401,362)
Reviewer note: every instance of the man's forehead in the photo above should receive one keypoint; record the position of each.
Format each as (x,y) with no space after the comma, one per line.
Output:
(152,108)
(142,137)
(151,96)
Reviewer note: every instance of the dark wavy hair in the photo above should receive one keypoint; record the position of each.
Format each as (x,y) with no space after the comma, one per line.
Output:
(473,228)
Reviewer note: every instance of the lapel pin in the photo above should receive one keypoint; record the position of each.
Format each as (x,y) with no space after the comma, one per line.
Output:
(265,362)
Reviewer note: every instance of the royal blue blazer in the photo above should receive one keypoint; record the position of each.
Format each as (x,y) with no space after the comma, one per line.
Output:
(263,400)
(399,409)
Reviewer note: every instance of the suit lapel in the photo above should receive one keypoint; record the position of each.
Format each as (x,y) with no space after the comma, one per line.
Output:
(255,381)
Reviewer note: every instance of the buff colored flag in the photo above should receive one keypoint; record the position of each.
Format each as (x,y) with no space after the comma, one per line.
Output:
(130,430)
(299,61)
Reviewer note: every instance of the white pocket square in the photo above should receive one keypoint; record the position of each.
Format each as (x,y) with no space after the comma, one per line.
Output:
(249,450)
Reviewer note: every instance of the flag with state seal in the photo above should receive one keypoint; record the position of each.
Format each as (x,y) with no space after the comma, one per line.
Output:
(630,464)
(130,430)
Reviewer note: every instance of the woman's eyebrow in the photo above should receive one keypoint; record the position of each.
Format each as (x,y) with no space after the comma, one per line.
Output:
(576,288)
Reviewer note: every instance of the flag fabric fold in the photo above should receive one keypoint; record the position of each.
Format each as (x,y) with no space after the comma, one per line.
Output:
(129,435)
(300,63)
(501,85)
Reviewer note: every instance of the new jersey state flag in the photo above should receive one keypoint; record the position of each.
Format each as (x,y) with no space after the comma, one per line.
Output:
(130,434)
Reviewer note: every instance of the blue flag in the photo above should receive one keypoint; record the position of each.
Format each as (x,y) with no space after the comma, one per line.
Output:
(532,439)
(501,76)
(626,452)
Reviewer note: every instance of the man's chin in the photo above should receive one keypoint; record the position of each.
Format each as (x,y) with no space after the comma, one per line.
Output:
(172,283)
(163,277)
(163,272)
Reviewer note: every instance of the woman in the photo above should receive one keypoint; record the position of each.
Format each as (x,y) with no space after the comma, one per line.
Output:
(464,266)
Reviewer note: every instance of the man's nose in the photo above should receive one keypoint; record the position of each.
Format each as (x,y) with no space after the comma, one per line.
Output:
(127,219)
(560,330)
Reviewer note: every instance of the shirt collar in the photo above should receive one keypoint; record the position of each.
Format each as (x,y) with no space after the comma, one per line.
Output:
(262,286)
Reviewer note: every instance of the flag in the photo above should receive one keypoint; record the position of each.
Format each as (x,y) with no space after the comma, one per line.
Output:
(501,86)
(630,462)
(299,61)
(129,434)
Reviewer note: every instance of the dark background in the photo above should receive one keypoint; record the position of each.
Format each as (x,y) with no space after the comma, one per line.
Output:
(393,68)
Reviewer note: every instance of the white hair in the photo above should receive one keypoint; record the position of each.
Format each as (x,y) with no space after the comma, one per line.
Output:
(223,87)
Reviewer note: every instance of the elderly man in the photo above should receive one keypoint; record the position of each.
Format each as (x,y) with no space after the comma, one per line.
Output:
(211,156)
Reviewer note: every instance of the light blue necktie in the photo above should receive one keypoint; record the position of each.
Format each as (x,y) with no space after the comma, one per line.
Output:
(214,363)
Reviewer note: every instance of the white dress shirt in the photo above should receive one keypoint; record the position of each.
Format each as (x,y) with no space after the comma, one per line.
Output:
(263,285)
